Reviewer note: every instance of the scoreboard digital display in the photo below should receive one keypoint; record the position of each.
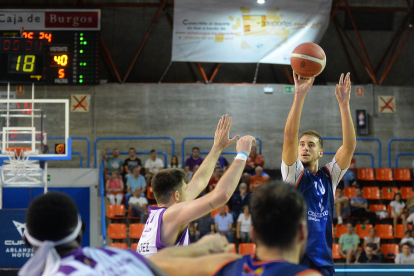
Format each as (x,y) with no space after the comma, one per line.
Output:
(54,57)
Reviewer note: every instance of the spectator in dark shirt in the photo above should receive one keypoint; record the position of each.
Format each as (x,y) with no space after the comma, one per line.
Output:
(193,160)
(368,256)
(203,226)
(359,207)
(222,163)
(131,163)
(238,200)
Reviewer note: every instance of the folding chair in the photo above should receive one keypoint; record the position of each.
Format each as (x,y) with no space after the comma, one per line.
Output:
(383,174)
(399,231)
(335,252)
(247,248)
(389,192)
(233,248)
(366,174)
(362,230)
(406,192)
(134,246)
(117,231)
(402,175)
(135,230)
(390,250)
(116,211)
(384,231)
(371,193)
(150,194)
(340,230)
(349,192)
(121,245)
(377,207)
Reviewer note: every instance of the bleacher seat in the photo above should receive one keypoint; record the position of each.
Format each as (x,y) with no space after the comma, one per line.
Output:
(383,174)
(150,194)
(115,211)
(217,211)
(349,192)
(233,248)
(366,174)
(406,192)
(377,207)
(390,251)
(371,193)
(335,252)
(247,248)
(384,231)
(389,192)
(402,175)
(134,246)
(362,230)
(399,231)
(117,231)
(135,230)
(340,230)
(121,245)
(390,211)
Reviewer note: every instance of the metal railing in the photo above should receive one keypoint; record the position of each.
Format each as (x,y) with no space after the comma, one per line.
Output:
(389,149)
(357,153)
(401,153)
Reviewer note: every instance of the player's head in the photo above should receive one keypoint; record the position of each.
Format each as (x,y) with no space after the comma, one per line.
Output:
(279,217)
(132,152)
(169,186)
(310,147)
(153,154)
(196,152)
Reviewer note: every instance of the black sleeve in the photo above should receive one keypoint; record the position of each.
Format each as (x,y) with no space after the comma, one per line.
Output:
(139,162)
(126,162)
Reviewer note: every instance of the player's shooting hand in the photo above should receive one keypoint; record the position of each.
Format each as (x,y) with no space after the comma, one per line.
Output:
(221,138)
(343,89)
(214,243)
(302,85)
(245,144)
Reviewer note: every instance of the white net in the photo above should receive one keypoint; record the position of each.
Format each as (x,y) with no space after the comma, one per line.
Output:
(18,160)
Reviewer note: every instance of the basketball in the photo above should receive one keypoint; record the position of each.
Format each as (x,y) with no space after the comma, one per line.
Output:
(308,59)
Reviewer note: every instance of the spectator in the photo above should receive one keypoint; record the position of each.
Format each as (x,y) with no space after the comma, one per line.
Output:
(359,207)
(349,175)
(139,205)
(238,200)
(131,163)
(253,161)
(113,163)
(203,226)
(244,222)
(348,243)
(152,166)
(174,163)
(114,189)
(373,241)
(407,238)
(224,223)
(137,181)
(398,206)
(368,256)
(193,160)
(222,163)
(410,218)
(214,179)
(341,205)
(406,257)
(259,178)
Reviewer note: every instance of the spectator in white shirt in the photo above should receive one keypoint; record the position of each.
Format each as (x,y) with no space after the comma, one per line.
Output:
(407,238)
(174,163)
(406,257)
(139,205)
(152,166)
(244,222)
(398,210)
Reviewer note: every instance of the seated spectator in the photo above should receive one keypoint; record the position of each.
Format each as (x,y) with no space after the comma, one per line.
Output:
(114,189)
(259,178)
(174,163)
(139,206)
(397,206)
(341,205)
(410,219)
(368,256)
(222,163)
(131,163)
(348,243)
(253,161)
(203,226)
(224,223)
(407,238)
(238,200)
(137,181)
(152,166)
(373,241)
(214,179)
(406,257)
(349,175)
(244,222)
(359,207)
(194,159)
(113,163)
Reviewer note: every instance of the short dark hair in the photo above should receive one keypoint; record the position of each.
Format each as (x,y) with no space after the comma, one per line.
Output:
(277,209)
(369,245)
(132,149)
(166,182)
(153,150)
(407,243)
(197,148)
(51,216)
(396,195)
(313,133)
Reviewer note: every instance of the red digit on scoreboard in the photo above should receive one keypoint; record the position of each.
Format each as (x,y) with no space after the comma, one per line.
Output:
(16,44)
(6,44)
(29,45)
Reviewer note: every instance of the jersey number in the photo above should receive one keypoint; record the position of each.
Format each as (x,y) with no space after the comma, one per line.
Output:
(143,247)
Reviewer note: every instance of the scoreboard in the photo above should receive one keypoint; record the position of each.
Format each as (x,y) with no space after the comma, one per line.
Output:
(53,57)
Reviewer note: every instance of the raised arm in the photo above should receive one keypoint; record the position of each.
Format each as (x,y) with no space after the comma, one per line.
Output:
(104,153)
(290,143)
(344,154)
(221,140)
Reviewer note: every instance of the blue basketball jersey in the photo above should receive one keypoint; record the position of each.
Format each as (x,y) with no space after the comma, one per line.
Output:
(318,191)
(246,266)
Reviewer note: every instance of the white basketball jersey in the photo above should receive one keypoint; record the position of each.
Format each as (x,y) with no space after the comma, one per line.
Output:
(150,241)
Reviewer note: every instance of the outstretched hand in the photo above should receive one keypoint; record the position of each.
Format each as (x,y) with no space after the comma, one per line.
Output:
(221,138)
(343,89)
(215,243)
(245,144)
(302,85)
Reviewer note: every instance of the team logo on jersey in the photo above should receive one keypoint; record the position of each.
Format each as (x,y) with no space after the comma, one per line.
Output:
(248,271)
(320,189)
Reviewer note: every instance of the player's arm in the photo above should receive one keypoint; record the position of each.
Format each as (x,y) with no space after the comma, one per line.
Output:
(185,212)
(221,140)
(290,142)
(344,155)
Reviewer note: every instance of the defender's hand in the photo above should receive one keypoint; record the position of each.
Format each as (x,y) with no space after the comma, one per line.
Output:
(245,144)
(221,138)
(302,85)
(343,89)
(214,243)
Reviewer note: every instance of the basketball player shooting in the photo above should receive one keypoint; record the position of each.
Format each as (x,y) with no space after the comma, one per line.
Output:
(167,224)
(300,167)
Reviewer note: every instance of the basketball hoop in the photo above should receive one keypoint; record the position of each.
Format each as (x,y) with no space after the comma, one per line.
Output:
(18,158)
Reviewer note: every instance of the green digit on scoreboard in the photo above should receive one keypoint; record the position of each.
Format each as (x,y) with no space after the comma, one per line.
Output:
(28,64)
(18,63)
